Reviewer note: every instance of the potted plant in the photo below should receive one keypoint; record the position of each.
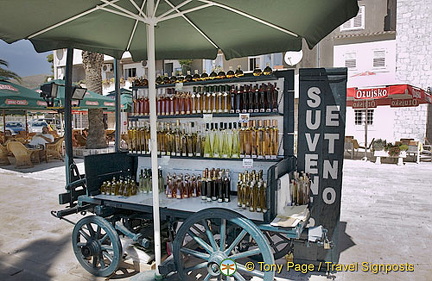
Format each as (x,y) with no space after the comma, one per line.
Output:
(378,148)
(379,145)
(392,149)
(403,150)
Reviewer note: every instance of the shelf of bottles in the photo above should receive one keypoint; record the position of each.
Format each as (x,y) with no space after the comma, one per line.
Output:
(255,139)
(221,100)
(210,186)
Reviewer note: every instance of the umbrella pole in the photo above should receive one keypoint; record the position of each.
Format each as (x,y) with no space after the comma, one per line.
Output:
(68,115)
(151,57)
(117,106)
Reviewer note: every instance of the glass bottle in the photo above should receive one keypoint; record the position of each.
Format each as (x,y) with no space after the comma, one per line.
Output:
(213,74)
(209,185)
(166,79)
(214,101)
(221,74)
(230,74)
(216,141)
(232,99)
(225,99)
(196,77)
(274,139)
(173,78)
(204,75)
(227,186)
(251,98)
(257,72)
(219,186)
(219,99)
(275,94)
(187,103)
(207,142)
(204,184)
(235,142)
(215,185)
(188,77)
(180,78)
(159,80)
(239,72)
(262,98)
(240,190)
(256,100)
(245,99)
(198,100)
(193,101)
(267,70)
(260,140)
(253,139)
(238,100)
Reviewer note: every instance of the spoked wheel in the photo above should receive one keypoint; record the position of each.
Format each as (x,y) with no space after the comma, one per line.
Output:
(210,246)
(96,245)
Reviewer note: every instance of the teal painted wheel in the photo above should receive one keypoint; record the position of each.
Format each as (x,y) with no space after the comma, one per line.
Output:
(211,236)
(96,245)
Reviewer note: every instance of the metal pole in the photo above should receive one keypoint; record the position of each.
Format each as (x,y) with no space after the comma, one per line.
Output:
(151,56)
(117,106)
(366,127)
(68,114)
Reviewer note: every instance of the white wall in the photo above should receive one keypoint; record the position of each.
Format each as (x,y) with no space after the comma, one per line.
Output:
(364,74)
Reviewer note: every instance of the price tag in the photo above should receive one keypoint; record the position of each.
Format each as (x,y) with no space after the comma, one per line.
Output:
(247,163)
(179,86)
(244,117)
(207,118)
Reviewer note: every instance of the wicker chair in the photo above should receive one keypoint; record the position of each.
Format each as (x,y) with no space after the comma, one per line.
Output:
(4,160)
(22,154)
(54,150)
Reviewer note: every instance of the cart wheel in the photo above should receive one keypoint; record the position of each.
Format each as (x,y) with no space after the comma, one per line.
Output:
(96,245)
(279,244)
(204,241)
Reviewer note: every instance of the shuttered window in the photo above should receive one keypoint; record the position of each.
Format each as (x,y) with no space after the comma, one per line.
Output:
(379,59)
(360,116)
(350,60)
(358,22)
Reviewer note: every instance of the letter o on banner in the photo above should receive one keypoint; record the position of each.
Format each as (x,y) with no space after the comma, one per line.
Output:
(329,195)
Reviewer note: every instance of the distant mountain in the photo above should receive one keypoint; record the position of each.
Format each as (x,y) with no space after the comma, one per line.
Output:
(33,81)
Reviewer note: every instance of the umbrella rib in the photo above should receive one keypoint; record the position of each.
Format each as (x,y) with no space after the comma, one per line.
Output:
(135,26)
(70,19)
(140,10)
(156,6)
(179,14)
(194,26)
(126,11)
(250,17)
(173,9)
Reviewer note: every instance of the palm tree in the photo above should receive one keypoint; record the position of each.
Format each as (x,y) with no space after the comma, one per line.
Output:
(7,73)
(92,63)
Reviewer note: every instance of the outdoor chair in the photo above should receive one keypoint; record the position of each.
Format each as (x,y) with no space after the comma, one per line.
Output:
(54,150)
(23,155)
(4,160)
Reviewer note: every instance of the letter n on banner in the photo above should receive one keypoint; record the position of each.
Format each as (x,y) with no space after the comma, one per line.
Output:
(321,138)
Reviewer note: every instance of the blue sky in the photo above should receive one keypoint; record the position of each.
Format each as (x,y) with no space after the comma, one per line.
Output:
(23,59)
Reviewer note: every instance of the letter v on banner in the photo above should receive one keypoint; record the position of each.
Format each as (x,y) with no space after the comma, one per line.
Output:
(321,135)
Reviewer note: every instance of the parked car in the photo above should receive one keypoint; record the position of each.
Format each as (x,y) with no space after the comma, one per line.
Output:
(15,127)
(54,123)
(36,126)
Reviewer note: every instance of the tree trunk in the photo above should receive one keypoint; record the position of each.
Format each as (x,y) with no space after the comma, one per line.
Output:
(92,63)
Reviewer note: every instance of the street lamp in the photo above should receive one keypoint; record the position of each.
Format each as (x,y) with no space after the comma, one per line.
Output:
(50,91)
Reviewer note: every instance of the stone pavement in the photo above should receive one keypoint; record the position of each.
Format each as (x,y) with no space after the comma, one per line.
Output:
(386,219)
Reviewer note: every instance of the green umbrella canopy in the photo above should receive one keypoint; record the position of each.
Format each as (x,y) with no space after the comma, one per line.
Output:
(13,96)
(91,99)
(184,29)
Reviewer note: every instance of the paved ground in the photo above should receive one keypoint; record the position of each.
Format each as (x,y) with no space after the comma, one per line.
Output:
(386,217)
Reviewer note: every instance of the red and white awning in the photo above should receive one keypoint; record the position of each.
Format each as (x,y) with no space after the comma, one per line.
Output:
(394,95)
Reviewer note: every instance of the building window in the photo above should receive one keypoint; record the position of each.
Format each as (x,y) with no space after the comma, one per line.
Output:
(379,59)
(254,63)
(350,60)
(358,22)
(360,116)
(130,72)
